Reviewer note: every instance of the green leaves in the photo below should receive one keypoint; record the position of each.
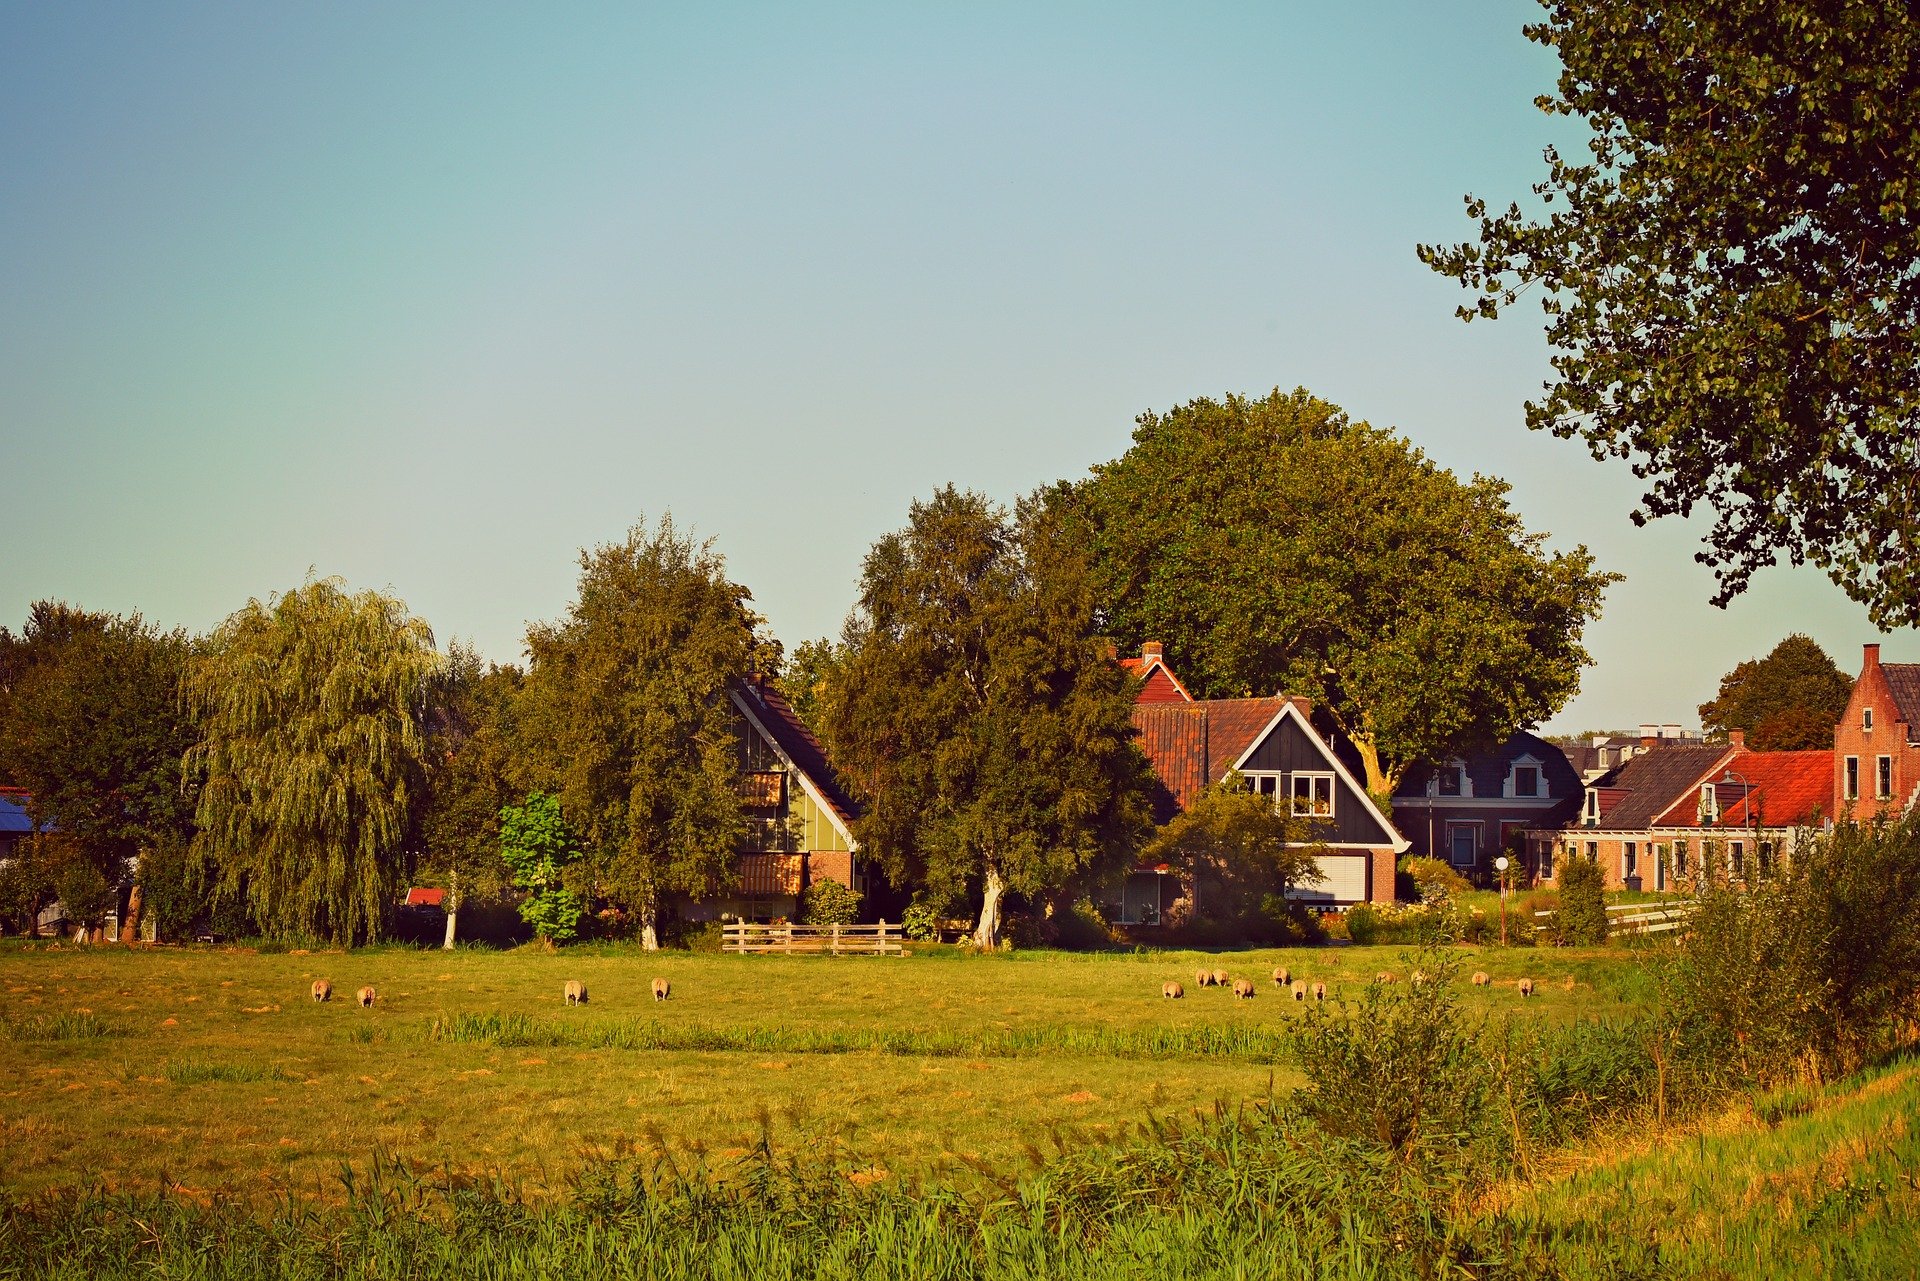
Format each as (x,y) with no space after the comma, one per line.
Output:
(535,843)
(1787,701)
(1730,286)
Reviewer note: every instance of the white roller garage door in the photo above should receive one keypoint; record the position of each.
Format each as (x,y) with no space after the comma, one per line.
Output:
(1343,880)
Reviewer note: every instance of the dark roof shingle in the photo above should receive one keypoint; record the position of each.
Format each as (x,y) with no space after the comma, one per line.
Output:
(1904,680)
(1654,780)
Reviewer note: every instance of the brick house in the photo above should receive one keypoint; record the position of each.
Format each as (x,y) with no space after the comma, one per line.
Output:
(1876,745)
(1272,743)
(1468,811)
(1616,820)
(1739,822)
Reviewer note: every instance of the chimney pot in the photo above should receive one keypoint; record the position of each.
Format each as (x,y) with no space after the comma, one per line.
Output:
(1870,656)
(1648,741)
(1151,649)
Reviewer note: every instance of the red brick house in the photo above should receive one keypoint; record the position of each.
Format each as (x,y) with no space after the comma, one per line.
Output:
(1876,746)
(1615,826)
(1739,822)
(1272,743)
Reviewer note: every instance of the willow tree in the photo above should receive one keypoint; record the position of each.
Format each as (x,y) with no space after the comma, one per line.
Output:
(974,712)
(311,707)
(626,713)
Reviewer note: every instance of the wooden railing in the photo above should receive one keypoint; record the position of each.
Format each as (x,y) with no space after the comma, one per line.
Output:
(1634,918)
(809,940)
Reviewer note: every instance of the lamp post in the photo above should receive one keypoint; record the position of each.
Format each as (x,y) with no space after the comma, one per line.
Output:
(1753,813)
(1502,864)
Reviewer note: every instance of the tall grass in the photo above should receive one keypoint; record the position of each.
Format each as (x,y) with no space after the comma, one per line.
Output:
(1249,1044)
(76,1026)
(201,1072)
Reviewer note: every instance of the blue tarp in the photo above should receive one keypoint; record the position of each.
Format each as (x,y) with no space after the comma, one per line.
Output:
(13,817)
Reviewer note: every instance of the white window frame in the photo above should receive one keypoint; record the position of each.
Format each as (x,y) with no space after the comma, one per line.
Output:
(1629,860)
(1591,816)
(1737,858)
(1310,777)
(1477,828)
(1709,811)
(1882,777)
(1509,789)
(1850,779)
(1866,719)
(1679,857)
(1458,768)
(1263,782)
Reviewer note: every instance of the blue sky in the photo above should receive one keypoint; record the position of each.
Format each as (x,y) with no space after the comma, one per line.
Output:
(431,297)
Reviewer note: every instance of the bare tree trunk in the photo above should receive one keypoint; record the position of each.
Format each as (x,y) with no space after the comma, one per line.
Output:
(650,928)
(453,910)
(130,928)
(1379,782)
(987,933)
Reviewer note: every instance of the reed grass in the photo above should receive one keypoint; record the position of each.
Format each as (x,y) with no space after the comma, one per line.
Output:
(74,1026)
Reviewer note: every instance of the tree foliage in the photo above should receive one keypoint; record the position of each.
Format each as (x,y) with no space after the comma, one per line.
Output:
(312,706)
(1788,701)
(1233,849)
(804,676)
(627,714)
(92,727)
(473,771)
(1273,545)
(1581,919)
(1728,274)
(975,714)
(534,843)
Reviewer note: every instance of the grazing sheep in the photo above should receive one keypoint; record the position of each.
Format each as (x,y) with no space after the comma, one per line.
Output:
(1299,989)
(1202,977)
(576,992)
(322,990)
(1219,978)
(1172,991)
(1481,978)
(1384,976)
(1281,977)
(1243,989)
(662,989)
(1319,991)
(366,997)
(1524,987)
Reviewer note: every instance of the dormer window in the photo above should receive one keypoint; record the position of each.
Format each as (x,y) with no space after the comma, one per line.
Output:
(1709,803)
(1447,780)
(1591,816)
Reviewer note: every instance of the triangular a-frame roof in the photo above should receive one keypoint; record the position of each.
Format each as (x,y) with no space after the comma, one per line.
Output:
(769,713)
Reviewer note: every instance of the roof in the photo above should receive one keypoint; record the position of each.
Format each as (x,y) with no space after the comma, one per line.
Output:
(1904,680)
(1784,789)
(783,725)
(14,820)
(1158,683)
(420,896)
(1651,782)
(1191,745)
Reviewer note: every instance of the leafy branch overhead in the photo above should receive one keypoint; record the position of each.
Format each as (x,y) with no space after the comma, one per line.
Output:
(1729,275)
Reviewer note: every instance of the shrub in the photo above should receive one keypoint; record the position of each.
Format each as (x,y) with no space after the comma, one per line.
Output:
(921,921)
(1582,918)
(827,902)
(1436,882)
(1362,922)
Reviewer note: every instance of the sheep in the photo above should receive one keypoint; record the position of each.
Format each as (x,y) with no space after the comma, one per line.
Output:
(1319,991)
(1202,977)
(1172,991)
(1299,989)
(1384,976)
(662,989)
(1524,987)
(365,997)
(1281,977)
(1243,989)
(322,990)
(1219,978)
(576,992)
(1481,978)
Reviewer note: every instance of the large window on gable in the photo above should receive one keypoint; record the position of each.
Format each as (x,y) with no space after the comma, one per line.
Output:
(1447,780)
(1312,794)
(1264,784)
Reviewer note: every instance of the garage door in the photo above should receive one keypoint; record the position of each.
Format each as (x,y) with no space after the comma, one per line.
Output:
(1343,880)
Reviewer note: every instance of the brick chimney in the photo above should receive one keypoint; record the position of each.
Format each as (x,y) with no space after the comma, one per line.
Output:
(1737,739)
(1869,657)
(1153,649)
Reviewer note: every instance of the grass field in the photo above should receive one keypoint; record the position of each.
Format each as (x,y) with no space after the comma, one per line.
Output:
(211,1069)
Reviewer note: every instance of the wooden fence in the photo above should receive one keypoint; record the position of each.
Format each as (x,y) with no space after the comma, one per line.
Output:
(1634,918)
(811,940)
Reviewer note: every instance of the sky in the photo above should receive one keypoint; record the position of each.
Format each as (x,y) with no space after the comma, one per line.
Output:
(431,297)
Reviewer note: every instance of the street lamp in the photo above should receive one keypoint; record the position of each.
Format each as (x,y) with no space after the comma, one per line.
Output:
(1753,813)
(1501,865)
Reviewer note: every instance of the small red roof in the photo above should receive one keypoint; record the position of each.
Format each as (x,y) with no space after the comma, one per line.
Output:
(419,897)
(1769,789)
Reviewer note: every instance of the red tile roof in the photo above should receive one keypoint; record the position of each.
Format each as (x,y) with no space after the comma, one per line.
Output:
(1191,745)
(418,897)
(1784,789)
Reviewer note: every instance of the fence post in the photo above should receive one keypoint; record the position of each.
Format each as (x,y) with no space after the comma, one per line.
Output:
(836,938)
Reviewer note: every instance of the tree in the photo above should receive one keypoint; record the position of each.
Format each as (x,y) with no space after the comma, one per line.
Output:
(1788,701)
(1272,545)
(92,727)
(975,714)
(804,676)
(1728,281)
(1239,847)
(627,708)
(313,707)
(472,773)
(1581,919)
(534,842)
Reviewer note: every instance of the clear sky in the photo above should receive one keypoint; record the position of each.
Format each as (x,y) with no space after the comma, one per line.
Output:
(432,296)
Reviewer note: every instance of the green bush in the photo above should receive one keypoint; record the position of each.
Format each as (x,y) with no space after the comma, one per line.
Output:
(829,903)
(1582,918)
(1362,923)
(1436,882)
(921,921)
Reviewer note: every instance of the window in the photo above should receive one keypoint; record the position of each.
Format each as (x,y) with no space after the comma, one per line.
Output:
(1312,795)
(1737,852)
(1546,861)
(1853,778)
(1679,858)
(1866,720)
(1883,776)
(1447,780)
(1629,860)
(1463,844)
(1593,809)
(1526,780)
(1593,850)
(1709,803)
(1766,857)
(1263,784)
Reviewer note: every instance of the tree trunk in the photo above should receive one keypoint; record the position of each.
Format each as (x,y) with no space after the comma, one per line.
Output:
(650,928)
(453,910)
(1380,782)
(987,933)
(130,928)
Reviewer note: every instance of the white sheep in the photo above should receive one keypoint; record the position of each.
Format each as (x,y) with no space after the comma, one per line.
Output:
(1524,987)
(1319,991)
(1243,989)
(1481,978)
(1281,977)
(1201,978)
(322,990)
(1219,978)
(576,992)
(662,989)
(365,997)
(1172,991)
(1299,989)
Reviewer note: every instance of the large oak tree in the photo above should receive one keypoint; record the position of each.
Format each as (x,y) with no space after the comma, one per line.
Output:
(976,715)
(1788,701)
(1275,546)
(1728,274)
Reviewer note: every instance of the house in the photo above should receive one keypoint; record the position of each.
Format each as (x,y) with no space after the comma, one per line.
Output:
(1273,744)
(1602,752)
(1620,808)
(1876,746)
(1740,821)
(15,824)
(801,818)
(1468,811)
